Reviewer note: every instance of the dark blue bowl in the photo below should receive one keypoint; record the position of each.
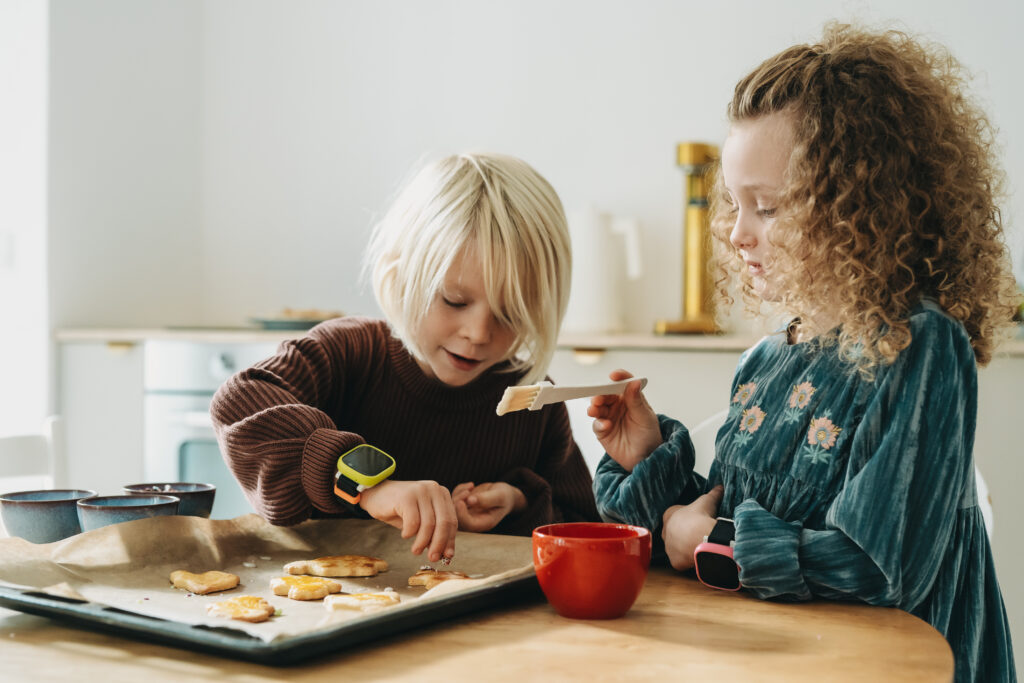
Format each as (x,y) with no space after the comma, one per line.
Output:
(42,516)
(196,499)
(101,511)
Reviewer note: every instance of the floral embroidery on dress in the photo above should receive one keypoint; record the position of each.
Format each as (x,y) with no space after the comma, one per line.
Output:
(750,422)
(799,398)
(743,394)
(821,436)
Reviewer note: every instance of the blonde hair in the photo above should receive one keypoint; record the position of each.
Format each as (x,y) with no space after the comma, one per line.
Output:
(503,209)
(891,193)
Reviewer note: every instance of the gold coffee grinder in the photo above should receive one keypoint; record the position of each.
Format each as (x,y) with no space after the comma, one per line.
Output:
(696,160)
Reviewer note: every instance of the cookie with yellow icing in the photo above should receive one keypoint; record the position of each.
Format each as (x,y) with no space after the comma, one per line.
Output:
(243,608)
(304,587)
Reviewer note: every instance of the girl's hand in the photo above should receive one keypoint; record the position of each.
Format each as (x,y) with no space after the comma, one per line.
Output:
(626,425)
(423,509)
(480,507)
(683,527)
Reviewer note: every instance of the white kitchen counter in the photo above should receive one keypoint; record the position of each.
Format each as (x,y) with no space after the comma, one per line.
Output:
(636,340)
(113,335)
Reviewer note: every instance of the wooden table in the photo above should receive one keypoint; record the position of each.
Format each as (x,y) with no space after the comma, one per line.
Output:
(677,630)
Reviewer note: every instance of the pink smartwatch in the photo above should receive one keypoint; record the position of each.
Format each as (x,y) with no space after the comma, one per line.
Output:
(714,560)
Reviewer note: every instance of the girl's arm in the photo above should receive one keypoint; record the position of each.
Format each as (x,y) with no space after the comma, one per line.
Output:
(662,479)
(907,486)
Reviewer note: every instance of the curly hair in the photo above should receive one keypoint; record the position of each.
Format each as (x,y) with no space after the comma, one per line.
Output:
(891,193)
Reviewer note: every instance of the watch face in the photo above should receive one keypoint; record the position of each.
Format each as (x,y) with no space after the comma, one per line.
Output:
(367,460)
(718,570)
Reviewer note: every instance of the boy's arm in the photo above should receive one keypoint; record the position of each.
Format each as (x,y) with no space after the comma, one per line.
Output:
(280,446)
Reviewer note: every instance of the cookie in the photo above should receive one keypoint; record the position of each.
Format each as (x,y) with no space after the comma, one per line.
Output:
(339,565)
(304,587)
(243,608)
(361,602)
(207,582)
(431,577)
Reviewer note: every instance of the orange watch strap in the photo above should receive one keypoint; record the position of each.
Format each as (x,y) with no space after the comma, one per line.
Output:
(352,495)
(344,495)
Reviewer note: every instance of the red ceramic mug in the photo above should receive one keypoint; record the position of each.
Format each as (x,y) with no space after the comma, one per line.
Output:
(591,570)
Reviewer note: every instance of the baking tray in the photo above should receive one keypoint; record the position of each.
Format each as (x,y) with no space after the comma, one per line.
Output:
(285,650)
(98,579)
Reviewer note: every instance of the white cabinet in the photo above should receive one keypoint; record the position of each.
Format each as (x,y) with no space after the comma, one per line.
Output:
(138,410)
(100,399)
(688,385)
(1000,457)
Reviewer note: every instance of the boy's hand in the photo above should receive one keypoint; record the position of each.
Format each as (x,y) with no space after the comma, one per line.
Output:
(423,509)
(626,425)
(683,527)
(480,507)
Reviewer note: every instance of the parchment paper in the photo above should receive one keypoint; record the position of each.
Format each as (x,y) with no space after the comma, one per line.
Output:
(128,566)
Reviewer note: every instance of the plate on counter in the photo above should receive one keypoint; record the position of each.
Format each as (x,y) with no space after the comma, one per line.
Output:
(292,319)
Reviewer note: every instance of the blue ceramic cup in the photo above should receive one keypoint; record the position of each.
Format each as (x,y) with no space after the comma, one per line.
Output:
(42,516)
(196,499)
(101,511)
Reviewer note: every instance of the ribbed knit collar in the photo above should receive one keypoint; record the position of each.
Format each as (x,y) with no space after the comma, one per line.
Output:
(486,389)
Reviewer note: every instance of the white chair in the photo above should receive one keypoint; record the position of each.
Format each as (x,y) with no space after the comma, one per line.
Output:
(703,437)
(984,501)
(38,457)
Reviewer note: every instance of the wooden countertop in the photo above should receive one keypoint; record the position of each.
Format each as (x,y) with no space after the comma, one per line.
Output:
(677,630)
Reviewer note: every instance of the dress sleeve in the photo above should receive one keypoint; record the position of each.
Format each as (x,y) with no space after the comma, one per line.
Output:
(275,436)
(559,488)
(662,479)
(886,531)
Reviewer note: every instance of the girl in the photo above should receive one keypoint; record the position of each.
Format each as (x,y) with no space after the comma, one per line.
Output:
(471,266)
(856,193)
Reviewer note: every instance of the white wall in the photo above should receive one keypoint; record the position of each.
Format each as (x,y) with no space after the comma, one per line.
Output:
(125,162)
(214,160)
(23,306)
(312,114)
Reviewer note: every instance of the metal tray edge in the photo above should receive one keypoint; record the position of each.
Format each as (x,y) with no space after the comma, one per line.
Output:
(282,651)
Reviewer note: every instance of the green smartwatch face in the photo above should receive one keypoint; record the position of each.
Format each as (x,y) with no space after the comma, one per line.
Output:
(366,466)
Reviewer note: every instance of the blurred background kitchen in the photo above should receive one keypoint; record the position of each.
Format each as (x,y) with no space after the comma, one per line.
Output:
(176,165)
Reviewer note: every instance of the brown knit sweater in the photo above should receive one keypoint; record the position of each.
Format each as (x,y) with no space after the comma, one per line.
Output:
(283,423)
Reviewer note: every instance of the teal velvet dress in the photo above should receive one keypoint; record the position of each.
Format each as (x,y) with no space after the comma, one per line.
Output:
(846,489)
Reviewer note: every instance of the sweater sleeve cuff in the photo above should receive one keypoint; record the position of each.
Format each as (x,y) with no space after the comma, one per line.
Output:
(663,478)
(767,551)
(320,462)
(538,502)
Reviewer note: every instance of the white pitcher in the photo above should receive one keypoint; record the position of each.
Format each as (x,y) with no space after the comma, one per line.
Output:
(605,251)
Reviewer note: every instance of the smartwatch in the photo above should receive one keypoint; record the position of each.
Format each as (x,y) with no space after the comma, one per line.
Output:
(714,559)
(359,469)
